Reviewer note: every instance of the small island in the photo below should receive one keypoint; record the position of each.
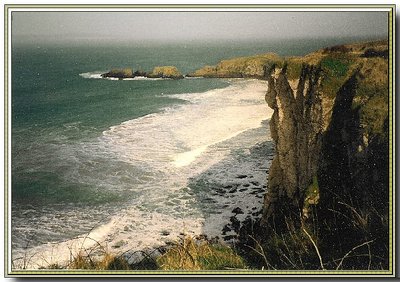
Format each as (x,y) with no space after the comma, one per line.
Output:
(169,72)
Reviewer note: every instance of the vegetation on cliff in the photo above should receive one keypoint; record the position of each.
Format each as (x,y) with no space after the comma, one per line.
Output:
(328,184)
(248,67)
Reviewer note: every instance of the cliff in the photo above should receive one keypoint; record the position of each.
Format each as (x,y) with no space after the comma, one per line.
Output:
(329,179)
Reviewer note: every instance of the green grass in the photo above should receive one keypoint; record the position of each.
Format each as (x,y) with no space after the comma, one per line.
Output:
(373,115)
(311,196)
(335,66)
(190,254)
(335,69)
(293,70)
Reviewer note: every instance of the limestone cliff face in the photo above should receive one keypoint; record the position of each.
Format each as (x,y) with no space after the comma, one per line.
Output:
(330,126)
(296,127)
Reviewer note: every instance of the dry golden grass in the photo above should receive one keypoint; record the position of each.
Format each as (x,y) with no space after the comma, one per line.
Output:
(107,261)
(191,254)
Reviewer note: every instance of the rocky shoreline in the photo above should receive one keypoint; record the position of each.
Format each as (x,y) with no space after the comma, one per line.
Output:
(243,198)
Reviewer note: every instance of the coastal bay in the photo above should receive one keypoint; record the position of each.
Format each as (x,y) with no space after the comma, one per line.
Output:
(192,153)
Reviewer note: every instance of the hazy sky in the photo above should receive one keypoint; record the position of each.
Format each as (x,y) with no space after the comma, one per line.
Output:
(143,26)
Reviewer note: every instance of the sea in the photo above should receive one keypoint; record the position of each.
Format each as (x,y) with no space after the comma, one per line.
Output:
(135,163)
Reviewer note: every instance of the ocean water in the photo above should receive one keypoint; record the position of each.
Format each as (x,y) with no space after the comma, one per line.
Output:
(135,162)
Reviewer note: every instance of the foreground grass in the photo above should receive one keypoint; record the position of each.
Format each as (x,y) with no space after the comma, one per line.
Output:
(107,262)
(351,240)
(190,254)
(345,237)
(186,254)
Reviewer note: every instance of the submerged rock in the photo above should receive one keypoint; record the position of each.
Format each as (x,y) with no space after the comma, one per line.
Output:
(237,210)
(165,233)
(241,176)
(235,223)
(225,229)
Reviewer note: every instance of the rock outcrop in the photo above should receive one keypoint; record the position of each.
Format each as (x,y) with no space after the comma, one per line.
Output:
(119,73)
(165,72)
(158,72)
(296,127)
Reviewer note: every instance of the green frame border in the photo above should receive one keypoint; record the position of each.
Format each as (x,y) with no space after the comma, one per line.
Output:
(218,273)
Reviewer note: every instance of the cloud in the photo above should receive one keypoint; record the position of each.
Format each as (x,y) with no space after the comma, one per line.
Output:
(147,26)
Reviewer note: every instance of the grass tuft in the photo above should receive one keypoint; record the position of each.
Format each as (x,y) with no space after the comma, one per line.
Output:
(191,254)
(107,262)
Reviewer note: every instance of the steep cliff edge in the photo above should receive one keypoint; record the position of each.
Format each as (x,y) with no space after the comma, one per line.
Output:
(329,179)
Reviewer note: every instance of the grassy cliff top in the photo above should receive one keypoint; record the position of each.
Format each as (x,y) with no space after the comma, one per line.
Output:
(251,66)
(336,61)
(339,63)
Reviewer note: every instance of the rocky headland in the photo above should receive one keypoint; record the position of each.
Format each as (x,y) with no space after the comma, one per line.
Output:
(328,185)
(243,67)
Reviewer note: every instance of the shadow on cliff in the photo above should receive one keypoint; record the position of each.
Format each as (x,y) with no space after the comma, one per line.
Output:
(354,183)
(327,201)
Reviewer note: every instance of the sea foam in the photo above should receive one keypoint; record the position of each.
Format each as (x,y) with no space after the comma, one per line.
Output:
(172,162)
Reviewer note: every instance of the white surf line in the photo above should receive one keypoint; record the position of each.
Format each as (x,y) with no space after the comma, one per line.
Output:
(186,158)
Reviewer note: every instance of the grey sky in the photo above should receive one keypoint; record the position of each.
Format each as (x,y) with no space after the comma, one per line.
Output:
(144,26)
